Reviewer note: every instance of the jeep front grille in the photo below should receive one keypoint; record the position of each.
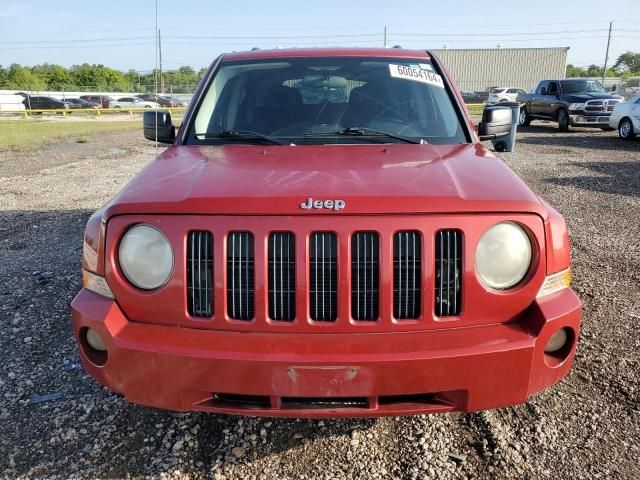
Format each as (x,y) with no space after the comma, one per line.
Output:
(365,272)
(200,274)
(282,276)
(407,259)
(323,277)
(448,264)
(240,276)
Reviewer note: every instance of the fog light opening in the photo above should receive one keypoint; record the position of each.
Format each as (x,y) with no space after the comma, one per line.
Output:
(559,346)
(93,346)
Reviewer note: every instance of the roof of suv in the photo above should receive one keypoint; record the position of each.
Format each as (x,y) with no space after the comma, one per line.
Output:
(327,52)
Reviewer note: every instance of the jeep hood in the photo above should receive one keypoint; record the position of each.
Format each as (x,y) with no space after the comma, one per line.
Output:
(370,179)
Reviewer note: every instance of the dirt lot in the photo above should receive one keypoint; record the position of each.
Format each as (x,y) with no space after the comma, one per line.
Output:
(588,426)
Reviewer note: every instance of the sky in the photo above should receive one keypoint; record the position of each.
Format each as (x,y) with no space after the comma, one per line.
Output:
(121,34)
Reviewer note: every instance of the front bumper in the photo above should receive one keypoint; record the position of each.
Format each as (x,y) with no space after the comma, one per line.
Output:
(328,375)
(581,120)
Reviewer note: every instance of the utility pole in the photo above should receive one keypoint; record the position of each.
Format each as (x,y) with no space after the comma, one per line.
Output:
(606,55)
(385,36)
(160,55)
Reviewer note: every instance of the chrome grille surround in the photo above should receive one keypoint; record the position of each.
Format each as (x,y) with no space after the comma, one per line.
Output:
(600,106)
(365,276)
(407,273)
(240,275)
(282,276)
(323,277)
(448,279)
(200,274)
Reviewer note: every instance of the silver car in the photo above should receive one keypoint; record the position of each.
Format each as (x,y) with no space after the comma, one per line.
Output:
(626,118)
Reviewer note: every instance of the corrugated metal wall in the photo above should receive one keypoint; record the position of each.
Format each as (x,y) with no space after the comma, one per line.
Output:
(480,69)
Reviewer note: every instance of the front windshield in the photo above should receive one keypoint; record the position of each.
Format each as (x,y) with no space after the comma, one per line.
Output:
(582,86)
(313,100)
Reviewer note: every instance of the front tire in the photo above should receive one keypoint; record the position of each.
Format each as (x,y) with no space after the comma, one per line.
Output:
(625,129)
(563,120)
(524,120)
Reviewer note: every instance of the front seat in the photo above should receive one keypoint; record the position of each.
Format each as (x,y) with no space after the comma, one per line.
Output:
(366,104)
(282,107)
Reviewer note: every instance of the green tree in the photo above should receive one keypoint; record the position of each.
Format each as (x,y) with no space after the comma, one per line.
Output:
(99,77)
(628,62)
(21,78)
(3,76)
(593,71)
(55,77)
(573,71)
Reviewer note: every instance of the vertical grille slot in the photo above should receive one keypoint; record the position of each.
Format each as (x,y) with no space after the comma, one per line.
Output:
(407,268)
(323,276)
(200,274)
(282,276)
(240,284)
(365,271)
(448,281)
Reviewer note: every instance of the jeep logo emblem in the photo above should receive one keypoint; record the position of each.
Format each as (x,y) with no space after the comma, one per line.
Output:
(335,205)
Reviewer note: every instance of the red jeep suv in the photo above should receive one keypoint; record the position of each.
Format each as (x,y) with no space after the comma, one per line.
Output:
(326,236)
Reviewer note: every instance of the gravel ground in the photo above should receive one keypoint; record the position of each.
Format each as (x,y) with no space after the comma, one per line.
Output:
(588,426)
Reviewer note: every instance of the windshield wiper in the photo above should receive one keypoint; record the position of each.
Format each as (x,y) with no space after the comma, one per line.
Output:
(240,135)
(370,132)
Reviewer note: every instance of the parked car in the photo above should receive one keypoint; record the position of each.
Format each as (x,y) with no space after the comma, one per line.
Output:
(471,97)
(78,103)
(363,257)
(103,101)
(133,102)
(41,102)
(501,95)
(626,118)
(162,100)
(11,102)
(179,102)
(570,102)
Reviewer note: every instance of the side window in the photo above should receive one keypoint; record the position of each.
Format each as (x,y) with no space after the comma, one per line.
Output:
(541,86)
(553,88)
(512,90)
(637,101)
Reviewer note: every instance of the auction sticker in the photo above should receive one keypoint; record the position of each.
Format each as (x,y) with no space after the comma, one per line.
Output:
(416,74)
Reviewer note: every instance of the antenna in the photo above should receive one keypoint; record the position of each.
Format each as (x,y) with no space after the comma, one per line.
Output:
(160,57)
(606,55)
(155,74)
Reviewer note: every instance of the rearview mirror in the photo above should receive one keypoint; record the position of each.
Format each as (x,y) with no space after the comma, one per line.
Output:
(496,122)
(157,126)
(543,90)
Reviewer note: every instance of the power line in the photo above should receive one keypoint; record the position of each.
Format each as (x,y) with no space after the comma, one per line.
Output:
(442,34)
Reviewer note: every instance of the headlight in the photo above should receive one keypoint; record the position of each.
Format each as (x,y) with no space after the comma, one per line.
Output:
(576,106)
(503,255)
(145,257)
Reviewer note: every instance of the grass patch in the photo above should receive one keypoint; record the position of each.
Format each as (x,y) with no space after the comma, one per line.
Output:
(29,134)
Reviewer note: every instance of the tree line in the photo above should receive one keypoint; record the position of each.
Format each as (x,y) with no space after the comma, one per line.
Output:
(87,77)
(627,65)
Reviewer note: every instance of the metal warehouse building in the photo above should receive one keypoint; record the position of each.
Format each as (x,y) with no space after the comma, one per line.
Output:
(480,69)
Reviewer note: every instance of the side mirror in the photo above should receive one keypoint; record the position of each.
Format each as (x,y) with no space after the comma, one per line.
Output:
(496,122)
(157,126)
(543,90)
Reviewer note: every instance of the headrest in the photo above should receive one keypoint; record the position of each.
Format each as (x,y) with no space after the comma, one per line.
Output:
(282,96)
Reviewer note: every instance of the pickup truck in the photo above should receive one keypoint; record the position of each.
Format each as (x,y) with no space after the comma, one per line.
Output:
(326,236)
(571,102)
